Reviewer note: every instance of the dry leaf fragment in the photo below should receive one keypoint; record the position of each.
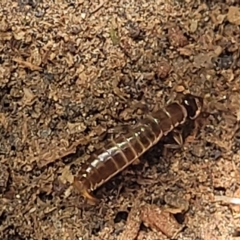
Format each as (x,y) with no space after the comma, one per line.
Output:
(233,15)
(159,220)
(35,58)
(114,36)
(28,97)
(5,36)
(3,120)
(185,51)
(27,64)
(132,226)
(66,175)
(193,26)
(4,176)
(4,25)
(19,34)
(176,37)
(163,69)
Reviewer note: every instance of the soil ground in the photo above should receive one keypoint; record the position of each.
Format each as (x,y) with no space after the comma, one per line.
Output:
(72,70)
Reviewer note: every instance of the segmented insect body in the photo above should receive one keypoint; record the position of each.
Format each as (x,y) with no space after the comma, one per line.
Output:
(126,148)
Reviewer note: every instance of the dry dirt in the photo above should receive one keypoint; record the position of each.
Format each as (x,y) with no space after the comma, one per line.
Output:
(72,70)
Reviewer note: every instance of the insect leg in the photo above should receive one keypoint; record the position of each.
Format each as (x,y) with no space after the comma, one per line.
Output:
(136,161)
(198,123)
(177,137)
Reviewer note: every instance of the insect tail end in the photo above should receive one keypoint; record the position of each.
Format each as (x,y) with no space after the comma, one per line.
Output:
(79,186)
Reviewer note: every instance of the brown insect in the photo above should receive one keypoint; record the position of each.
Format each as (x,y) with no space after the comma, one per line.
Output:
(126,148)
